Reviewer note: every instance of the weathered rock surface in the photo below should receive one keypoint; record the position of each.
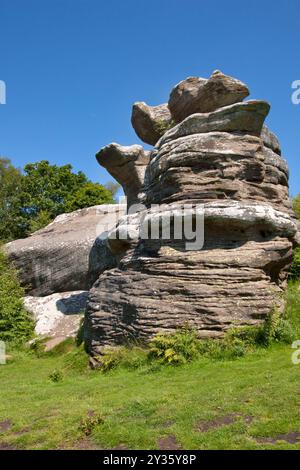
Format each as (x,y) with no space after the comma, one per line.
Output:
(247,117)
(150,122)
(198,95)
(222,171)
(67,255)
(127,165)
(57,315)
(270,140)
(217,165)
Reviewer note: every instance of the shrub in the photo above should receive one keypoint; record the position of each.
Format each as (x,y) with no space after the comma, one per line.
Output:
(16,324)
(175,348)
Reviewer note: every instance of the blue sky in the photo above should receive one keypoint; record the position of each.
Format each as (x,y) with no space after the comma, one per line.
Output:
(73,68)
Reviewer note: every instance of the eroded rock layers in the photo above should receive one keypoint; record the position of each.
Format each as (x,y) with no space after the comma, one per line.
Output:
(221,162)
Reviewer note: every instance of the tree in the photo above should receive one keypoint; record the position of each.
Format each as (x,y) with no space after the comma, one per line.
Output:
(44,191)
(10,182)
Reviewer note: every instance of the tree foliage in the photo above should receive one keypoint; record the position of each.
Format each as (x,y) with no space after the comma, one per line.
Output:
(10,182)
(32,199)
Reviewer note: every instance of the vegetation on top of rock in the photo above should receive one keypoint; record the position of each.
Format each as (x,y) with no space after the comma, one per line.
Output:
(30,200)
(16,324)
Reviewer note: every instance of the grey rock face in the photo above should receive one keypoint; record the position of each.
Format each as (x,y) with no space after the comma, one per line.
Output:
(127,165)
(150,122)
(270,140)
(67,255)
(225,169)
(198,95)
(57,315)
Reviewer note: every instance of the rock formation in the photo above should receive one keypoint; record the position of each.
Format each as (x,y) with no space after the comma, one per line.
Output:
(58,264)
(68,254)
(224,168)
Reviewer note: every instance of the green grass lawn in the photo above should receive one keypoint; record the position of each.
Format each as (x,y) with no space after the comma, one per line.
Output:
(252,402)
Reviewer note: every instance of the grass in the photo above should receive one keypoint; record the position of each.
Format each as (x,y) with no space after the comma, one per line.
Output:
(55,401)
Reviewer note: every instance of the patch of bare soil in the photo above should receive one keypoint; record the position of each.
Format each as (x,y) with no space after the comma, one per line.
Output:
(292,437)
(5,425)
(6,446)
(86,444)
(223,421)
(121,447)
(168,443)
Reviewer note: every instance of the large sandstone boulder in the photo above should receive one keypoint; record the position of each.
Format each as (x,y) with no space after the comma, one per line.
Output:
(127,165)
(67,255)
(150,122)
(199,95)
(221,171)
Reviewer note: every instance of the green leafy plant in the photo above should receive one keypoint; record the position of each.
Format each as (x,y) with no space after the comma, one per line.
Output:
(276,328)
(175,348)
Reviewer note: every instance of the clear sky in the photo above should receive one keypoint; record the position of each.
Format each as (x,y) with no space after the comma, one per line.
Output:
(73,68)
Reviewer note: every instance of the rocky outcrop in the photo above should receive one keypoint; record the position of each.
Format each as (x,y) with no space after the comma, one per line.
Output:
(57,315)
(127,165)
(198,95)
(150,122)
(67,255)
(213,243)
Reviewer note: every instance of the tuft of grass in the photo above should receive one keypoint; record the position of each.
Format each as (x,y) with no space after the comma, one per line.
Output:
(56,376)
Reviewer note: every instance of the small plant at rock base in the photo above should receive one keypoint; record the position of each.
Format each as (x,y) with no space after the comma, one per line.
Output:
(271,329)
(56,376)
(175,348)
(88,424)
